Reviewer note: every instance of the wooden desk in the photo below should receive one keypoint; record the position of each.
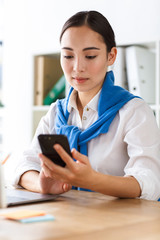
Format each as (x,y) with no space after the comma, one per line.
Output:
(88,216)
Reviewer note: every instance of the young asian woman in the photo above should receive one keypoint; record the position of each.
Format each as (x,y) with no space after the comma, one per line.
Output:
(113,134)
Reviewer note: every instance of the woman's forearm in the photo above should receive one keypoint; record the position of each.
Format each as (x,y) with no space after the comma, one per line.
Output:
(123,187)
(30,181)
(81,174)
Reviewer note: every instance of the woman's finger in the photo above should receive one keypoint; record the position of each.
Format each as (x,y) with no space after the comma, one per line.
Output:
(52,167)
(56,174)
(47,161)
(53,170)
(46,171)
(79,156)
(64,155)
(66,187)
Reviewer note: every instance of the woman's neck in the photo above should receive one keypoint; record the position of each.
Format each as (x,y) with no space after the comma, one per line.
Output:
(82,100)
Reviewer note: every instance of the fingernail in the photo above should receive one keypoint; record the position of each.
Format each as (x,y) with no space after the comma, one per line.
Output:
(65,187)
(56,146)
(73,150)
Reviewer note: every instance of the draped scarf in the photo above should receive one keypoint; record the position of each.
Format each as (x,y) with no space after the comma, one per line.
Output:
(112,99)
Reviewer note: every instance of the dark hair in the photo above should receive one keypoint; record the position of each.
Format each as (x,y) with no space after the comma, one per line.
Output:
(94,20)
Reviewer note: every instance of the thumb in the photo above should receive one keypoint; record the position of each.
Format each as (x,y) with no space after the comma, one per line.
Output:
(66,187)
(79,156)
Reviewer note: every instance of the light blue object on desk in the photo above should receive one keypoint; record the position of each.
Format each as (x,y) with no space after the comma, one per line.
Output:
(47,217)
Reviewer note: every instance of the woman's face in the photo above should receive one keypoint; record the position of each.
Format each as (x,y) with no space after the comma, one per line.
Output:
(84,59)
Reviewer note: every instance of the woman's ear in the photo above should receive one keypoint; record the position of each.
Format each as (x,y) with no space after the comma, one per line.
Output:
(112,56)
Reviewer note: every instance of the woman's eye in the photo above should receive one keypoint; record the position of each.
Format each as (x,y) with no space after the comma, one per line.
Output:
(90,57)
(68,57)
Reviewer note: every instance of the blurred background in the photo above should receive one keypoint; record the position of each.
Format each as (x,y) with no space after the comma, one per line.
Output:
(31,28)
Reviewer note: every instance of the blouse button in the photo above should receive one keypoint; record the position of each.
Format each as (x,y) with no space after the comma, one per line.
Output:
(84,118)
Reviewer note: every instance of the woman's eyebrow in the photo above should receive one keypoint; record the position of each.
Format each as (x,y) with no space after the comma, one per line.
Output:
(85,49)
(91,48)
(67,48)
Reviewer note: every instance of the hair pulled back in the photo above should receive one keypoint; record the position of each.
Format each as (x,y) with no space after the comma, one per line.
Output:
(95,21)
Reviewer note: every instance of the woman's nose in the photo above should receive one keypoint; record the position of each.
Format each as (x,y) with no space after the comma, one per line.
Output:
(79,65)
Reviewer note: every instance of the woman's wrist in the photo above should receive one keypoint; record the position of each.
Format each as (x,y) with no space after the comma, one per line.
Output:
(30,181)
(93,181)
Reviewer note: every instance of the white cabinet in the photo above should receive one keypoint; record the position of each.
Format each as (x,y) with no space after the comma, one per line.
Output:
(47,71)
(154,46)
(152,87)
(37,113)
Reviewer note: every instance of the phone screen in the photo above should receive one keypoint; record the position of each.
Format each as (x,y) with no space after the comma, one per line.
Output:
(47,142)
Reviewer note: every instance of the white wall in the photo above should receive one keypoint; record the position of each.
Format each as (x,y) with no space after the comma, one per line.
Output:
(1,19)
(33,26)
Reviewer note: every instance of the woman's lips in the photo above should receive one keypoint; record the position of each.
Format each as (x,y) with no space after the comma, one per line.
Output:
(80,79)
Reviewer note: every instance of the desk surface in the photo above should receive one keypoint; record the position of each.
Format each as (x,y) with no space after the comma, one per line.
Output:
(87,216)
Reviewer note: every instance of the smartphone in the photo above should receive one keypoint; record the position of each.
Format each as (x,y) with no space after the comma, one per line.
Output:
(47,142)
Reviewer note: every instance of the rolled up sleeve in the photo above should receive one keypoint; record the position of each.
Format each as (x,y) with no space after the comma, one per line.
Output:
(143,141)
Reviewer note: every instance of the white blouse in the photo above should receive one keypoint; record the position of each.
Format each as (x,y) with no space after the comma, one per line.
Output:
(130,148)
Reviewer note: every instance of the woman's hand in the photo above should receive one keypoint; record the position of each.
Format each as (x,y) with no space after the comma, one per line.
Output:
(51,185)
(77,173)
(37,182)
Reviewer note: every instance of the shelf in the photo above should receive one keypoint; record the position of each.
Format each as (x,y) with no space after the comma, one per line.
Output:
(153,45)
(37,113)
(154,107)
(40,108)
(149,44)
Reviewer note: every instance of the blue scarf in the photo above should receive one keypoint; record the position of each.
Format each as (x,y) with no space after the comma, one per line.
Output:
(112,98)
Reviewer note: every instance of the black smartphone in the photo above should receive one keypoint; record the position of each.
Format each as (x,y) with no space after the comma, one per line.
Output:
(47,141)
